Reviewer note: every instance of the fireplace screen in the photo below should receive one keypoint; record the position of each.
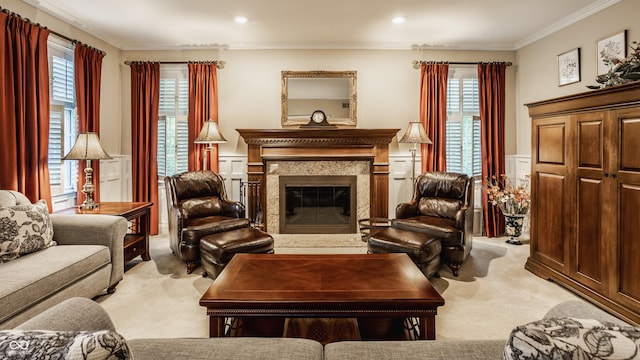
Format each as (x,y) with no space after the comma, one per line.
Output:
(317,204)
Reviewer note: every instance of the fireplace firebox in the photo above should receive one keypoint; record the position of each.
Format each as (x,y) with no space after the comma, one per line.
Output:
(318,204)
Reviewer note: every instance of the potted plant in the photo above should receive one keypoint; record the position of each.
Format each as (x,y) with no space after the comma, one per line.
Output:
(513,201)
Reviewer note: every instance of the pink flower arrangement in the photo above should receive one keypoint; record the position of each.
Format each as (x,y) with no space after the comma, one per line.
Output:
(508,197)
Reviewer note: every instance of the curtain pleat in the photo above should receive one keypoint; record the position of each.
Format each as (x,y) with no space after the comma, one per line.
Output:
(145,97)
(203,105)
(24,108)
(491,88)
(87,74)
(433,115)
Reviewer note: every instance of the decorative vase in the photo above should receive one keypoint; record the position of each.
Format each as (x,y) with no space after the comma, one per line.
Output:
(513,227)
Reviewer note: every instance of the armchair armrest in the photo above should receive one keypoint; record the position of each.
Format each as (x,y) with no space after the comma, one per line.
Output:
(463,215)
(89,229)
(74,314)
(233,208)
(407,209)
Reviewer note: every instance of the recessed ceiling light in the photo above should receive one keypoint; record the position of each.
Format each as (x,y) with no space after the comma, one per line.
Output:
(399,19)
(241,19)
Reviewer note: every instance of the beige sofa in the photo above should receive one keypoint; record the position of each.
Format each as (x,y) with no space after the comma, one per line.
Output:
(87,261)
(86,315)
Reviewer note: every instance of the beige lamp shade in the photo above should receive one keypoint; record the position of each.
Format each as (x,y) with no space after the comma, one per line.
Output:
(415,134)
(210,134)
(87,147)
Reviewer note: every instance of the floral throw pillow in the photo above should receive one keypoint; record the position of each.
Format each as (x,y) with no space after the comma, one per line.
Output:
(569,338)
(24,229)
(67,345)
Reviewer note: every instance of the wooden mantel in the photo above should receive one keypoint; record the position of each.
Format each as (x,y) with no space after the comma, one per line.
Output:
(321,144)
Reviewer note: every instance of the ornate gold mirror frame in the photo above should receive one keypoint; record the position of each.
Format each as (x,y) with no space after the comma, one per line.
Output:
(333,92)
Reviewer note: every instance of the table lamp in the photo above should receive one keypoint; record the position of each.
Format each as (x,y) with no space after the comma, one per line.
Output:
(415,135)
(87,147)
(210,134)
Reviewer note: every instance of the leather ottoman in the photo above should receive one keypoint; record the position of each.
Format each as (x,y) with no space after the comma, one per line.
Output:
(423,249)
(216,250)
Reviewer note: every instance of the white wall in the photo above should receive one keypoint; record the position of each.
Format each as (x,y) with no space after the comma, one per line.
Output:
(537,77)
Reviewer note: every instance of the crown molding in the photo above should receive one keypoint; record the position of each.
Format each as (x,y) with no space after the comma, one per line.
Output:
(565,22)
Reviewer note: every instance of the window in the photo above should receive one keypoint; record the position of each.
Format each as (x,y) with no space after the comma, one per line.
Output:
(63,119)
(173,136)
(463,121)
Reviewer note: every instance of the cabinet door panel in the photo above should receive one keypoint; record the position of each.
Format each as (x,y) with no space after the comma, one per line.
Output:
(629,144)
(590,144)
(551,144)
(625,212)
(629,242)
(589,243)
(550,219)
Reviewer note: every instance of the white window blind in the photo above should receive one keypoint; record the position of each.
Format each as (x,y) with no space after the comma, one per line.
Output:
(63,119)
(56,131)
(463,122)
(63,87)
(173,136)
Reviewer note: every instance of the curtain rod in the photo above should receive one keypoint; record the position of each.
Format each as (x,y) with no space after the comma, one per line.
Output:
(73,41)
(418,63)
(218,63)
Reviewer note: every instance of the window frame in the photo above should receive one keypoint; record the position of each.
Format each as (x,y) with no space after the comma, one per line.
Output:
(468,118)
(65,106)
(174,120)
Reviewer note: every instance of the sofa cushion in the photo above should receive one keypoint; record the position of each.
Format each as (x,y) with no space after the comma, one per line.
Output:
(33,277)
(69,345)
(414,350)
(24,229)
(246,348)
(570,338)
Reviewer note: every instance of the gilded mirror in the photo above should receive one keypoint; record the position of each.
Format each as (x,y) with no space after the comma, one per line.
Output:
(333,92)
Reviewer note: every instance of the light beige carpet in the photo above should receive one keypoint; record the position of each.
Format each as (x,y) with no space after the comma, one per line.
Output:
(493,293)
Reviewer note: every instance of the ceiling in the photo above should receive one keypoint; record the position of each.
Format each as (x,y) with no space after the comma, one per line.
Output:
(320,24)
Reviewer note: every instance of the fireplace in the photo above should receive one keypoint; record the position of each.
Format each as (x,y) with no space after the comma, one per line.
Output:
(363,153)
(318,204)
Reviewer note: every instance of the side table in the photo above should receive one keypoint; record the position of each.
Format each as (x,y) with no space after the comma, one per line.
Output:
(136,242)
(371,225)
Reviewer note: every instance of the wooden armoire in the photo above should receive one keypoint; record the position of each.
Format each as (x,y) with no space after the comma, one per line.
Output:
(585,187)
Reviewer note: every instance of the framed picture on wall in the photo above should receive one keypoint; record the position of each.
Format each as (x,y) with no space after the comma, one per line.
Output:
(610,48)
(569,67)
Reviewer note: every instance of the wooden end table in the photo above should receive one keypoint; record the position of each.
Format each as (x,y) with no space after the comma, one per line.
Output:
(322,286)
(136,242)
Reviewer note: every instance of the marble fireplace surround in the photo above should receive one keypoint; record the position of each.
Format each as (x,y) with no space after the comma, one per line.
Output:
(360,152)
(360,169)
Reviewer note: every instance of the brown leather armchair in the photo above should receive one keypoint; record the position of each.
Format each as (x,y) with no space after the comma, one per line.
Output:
(442,206)
(197,206)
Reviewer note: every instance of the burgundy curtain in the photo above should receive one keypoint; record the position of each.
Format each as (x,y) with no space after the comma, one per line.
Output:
(87,72)
(203,105)
(433,114)
(24,108)
(491,86)
(145,96)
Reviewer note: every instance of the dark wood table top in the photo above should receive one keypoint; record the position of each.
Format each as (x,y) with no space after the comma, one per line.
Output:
(329,283)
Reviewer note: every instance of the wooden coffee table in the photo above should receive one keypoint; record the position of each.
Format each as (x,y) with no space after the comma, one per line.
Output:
(322,286)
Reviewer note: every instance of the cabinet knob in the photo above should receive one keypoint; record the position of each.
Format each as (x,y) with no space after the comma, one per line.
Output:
(606,174)
(613,175)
